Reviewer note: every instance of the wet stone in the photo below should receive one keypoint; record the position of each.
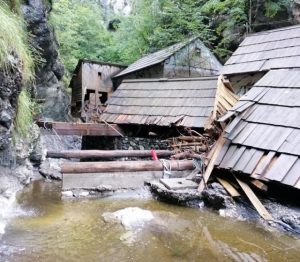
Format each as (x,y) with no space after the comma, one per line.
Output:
(216,197)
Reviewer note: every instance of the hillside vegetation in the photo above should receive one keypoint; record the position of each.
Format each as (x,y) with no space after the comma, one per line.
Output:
(154,24)
(13,41)
(16,56)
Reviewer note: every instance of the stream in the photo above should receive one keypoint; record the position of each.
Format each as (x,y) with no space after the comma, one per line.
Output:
(49,228)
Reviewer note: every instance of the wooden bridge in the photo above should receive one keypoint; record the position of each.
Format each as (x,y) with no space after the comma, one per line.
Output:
(82,129)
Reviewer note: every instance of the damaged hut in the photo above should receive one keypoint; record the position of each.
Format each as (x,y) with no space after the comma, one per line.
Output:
(263,140)
(186,59)
(261,137)
(91,86)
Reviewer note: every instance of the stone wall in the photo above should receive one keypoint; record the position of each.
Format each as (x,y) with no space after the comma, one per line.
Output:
(136,143)
(122,143)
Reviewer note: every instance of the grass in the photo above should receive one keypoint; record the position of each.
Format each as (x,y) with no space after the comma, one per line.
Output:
(24,116)
(13,40)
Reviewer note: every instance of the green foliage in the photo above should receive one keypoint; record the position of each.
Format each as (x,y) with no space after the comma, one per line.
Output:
(13,39)
(275,6)
(152,25)
(25,111)
(80,31)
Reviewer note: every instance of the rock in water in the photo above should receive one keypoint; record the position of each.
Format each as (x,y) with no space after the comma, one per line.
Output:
(130,217)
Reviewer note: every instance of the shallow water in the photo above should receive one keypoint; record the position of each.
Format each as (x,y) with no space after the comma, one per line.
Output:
(52,229)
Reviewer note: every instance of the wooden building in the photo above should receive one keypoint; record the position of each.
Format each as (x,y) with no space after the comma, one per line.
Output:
(91,86)
(165,103)
(186,59)
(262,139)
(261,52)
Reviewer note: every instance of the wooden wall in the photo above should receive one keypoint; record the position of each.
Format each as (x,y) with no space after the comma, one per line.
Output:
(91,76)
(242,83)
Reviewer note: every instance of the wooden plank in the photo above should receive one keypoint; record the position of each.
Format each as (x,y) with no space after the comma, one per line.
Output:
(259,185)
(293,175)
(230,163)
(263,212)
(249,168)
(82,154)
(228,187)
(83,129)
(263,165)
(221,141)
(125,166)
(281,167)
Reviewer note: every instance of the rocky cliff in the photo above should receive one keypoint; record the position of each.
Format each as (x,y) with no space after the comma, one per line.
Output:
(10,87)
(49,90)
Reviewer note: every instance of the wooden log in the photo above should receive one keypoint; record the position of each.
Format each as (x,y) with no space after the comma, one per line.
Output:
(186,155)
(83,154)
(125,166)
(191,138)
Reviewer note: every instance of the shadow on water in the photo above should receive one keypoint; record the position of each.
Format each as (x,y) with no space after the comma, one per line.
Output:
(74,230)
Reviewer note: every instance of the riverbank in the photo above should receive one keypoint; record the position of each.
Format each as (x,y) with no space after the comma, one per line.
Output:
(52,228)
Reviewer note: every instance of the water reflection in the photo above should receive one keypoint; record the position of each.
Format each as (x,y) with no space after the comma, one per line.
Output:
(72,230)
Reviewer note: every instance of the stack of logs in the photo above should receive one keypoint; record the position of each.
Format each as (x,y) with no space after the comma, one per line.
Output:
(197,144)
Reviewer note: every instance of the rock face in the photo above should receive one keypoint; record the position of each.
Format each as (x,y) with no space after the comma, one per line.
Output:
(10,87)
(48,74)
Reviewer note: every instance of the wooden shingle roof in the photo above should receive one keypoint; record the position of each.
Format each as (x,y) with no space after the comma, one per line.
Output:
(263,140)
(162,55)
(274,49)
(163,102)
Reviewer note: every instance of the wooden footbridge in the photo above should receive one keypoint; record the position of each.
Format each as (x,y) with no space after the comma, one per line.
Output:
(82,129)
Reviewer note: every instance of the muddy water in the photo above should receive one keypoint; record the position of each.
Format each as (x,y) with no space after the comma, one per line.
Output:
(52,229)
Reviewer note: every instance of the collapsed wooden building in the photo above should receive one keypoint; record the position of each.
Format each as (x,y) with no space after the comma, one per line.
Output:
(186,59)
(263,140)
(262,133)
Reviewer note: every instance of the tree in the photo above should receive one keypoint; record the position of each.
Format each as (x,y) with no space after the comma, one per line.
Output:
(80,31)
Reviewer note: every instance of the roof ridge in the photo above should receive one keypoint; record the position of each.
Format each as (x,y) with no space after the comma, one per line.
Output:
(169,50)
(274,30)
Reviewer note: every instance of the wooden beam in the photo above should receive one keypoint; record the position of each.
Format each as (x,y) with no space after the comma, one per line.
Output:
(125,166)
(217,148)
(228,187)
(82,129)
(254,200)
(82,154)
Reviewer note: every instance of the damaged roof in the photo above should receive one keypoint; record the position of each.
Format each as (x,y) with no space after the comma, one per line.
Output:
(184,102)
(263,140)
(274,49)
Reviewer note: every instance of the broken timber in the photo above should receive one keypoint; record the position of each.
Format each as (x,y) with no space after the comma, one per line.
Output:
(263,212)
(82,129)
(216,150)
(125,166)
(228,187)
(83,154)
